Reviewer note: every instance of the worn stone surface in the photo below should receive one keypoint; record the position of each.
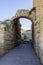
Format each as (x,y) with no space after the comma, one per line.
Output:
(10,33)
(7,37)
(39,28)
(21,55)
(2,39)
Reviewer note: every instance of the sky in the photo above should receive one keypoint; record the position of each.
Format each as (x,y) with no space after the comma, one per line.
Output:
(25,23)
(8,9)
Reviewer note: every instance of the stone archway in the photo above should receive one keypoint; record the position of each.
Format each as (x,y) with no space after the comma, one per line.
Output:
(24,14)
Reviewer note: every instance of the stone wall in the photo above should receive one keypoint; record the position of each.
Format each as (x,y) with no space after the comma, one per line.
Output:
(16,24)
(10,38)
(28,35)
(2,39)
(10,32)
(38,34)
(7,37)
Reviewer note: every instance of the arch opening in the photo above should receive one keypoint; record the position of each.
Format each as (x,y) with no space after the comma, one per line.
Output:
(26,29)
(18,28)
(25,23)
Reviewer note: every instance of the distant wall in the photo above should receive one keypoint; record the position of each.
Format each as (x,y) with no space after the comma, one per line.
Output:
(28,35)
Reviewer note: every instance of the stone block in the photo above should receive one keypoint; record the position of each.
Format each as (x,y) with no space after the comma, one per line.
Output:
(2,51)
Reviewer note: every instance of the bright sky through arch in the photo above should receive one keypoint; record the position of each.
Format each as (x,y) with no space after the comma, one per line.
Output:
(8,8)
(25,23)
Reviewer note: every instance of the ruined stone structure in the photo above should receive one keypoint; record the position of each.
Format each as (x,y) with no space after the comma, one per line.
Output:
(10,33)
(38,28)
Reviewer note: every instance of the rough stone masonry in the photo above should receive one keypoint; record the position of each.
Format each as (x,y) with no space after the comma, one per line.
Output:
(10,30)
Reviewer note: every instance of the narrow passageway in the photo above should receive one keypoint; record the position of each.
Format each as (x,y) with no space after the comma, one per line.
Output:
(21,55)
